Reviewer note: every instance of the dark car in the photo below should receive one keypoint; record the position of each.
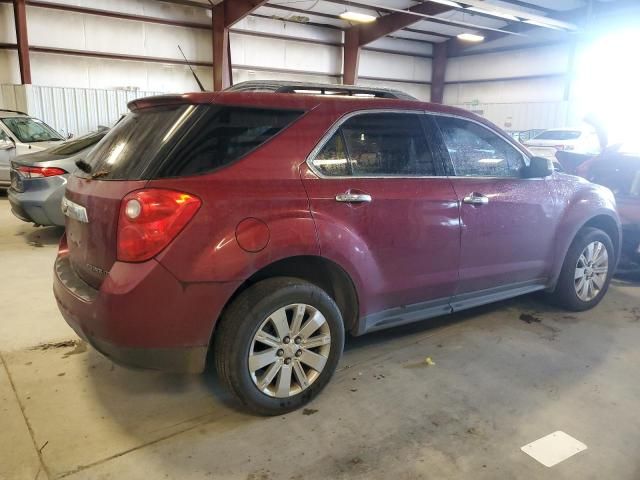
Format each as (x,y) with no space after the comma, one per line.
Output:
(617,168)
(255,229)
(38,180)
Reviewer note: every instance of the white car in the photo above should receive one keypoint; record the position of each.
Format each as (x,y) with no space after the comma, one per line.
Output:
(21,134)
(578,140)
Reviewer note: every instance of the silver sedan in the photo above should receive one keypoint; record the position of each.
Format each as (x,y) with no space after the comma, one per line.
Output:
(38,180)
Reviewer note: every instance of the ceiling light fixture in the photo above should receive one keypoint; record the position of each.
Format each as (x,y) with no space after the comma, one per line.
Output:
(449,3)
(470,37)
(357,17)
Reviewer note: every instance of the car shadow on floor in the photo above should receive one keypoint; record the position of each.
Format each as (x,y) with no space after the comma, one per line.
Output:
(524,305)
(496,336)
(626,279)
(150,406)
(138,382)
(41,236)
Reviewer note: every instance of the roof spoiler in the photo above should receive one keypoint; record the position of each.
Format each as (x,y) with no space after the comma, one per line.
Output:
(156,101)
(13,111)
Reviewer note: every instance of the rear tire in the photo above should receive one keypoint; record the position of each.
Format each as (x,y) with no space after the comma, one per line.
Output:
(586,271)
(270,339)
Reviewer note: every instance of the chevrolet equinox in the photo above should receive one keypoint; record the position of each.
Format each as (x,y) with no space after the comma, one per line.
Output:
(252,230)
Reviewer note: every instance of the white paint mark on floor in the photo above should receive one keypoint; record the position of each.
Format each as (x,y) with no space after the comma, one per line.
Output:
(554,448)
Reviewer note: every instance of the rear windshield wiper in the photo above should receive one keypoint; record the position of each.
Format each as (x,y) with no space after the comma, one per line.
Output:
(84,166)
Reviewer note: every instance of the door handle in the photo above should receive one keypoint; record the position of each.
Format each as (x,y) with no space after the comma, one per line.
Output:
(350,197)
(475,199)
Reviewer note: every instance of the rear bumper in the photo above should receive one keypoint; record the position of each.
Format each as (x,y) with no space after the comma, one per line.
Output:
(142,316)
(41,203)
(185,360)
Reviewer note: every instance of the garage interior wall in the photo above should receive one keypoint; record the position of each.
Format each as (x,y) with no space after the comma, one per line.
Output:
(261,48)
(517,89)
(528,88)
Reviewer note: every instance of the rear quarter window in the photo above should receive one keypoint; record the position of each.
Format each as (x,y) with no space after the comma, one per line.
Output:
(183,140)
(224,135)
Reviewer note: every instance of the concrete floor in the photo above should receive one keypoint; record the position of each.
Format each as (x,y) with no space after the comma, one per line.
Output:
(500,381)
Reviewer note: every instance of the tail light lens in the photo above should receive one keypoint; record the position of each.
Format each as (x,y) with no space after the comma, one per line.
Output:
(63,246)
(150,219)
(37,172)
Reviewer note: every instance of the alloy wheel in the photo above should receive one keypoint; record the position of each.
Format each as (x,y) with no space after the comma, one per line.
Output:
(289,350)
(591,271)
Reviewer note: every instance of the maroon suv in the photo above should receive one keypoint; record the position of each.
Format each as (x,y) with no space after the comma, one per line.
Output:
(255,229)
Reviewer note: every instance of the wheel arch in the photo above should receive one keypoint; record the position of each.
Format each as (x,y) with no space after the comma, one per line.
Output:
(320,271)
(605,221)
(607,224)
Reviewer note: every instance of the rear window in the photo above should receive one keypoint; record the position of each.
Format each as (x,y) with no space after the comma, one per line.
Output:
(559,135)
(184,140)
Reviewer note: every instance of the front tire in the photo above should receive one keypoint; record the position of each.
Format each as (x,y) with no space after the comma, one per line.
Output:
(278,344)
(586,271)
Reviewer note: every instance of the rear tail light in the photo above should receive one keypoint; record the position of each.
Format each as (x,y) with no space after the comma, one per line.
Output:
(150,219)
(63,246)
(37,172)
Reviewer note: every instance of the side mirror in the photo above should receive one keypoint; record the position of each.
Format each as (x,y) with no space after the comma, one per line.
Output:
(7,144)
(539,167)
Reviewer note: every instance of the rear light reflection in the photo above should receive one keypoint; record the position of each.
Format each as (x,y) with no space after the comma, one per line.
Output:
(150,219)
(37,172)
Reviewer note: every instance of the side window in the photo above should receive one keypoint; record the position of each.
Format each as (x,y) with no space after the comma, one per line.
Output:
(476,151)
(225,134)
(377,144)
(3,136)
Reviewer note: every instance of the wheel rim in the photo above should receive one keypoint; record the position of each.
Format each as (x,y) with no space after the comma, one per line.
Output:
(591,271)
(289,350)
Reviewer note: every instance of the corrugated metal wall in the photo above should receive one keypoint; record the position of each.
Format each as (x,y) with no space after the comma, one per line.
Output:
(80,110)
(526,116)
(13,97)
(70,110)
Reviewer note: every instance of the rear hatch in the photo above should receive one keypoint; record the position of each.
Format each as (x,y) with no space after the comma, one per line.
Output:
(119,164)
(158,141)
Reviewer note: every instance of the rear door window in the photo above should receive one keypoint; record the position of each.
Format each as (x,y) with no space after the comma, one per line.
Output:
(377,145)
(182,140)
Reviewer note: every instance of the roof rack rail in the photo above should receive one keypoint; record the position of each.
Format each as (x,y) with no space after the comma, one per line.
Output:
(308,88)
(12,111)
